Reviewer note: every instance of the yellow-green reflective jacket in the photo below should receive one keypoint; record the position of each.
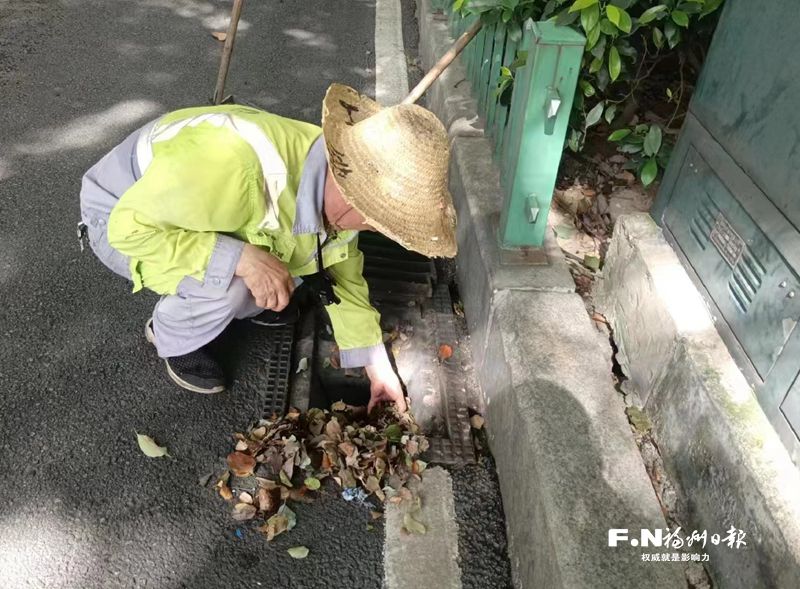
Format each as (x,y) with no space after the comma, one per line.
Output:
(210,174)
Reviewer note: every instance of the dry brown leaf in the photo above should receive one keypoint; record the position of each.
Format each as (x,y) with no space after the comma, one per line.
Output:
(241,446)
(376,514)
(476,421)
(333,429)
(225,492)
(259,432)
(413,526)
(267,484)
(266,501)
(219,35)
(277,524)
(241,464)
(246,497)
(445,352)
(244,511)
(334,360)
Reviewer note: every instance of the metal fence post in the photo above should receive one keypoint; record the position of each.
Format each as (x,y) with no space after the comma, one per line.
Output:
(541,103)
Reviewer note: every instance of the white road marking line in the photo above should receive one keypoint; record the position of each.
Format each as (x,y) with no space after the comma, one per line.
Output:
(391,75)
(429,560)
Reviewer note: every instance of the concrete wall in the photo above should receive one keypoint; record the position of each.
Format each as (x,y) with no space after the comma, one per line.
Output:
(713,435)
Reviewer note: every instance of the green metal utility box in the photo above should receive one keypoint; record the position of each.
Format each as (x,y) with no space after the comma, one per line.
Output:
(730,199)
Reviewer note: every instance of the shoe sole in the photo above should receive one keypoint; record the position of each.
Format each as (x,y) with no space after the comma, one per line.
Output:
(150,336)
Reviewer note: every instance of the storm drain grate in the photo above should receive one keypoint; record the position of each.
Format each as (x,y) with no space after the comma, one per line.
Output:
(257,360)
(457,447)
(275,392)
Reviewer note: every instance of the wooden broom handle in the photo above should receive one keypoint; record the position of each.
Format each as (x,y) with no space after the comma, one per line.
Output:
(442,64)
(236,12)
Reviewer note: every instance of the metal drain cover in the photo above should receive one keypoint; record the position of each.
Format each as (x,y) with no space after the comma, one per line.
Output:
(258,360)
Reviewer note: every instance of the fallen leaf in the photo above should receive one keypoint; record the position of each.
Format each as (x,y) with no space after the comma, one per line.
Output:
(285,479)
(338,406)
(290,516)
(246,497)
(333,429)
(149,446)
(225,492)
(638,419)
(312,483)
(298,551)
(241,464)
(445,352)
(277,524)
(565,231)
(591,262)
(413,526)
(244,511)
(219,35)
(268,484)
(376,514)
(259,432)
(241,446)
(266,503)
(302,365)
(476,421)
(334,358)
(599,318)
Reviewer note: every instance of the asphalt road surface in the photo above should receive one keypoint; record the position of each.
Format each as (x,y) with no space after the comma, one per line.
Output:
(80,506)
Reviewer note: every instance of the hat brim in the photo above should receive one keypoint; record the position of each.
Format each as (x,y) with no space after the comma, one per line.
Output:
(424,223)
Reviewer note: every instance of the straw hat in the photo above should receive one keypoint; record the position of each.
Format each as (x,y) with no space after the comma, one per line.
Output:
(390,165)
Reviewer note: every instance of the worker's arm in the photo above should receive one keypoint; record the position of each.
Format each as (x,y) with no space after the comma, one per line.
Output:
(357,330)
(171,222)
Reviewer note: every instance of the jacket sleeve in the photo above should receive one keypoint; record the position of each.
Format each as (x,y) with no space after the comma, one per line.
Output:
(356,323)
(170,223)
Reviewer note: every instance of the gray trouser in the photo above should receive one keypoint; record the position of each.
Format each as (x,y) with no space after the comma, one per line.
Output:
(182,322)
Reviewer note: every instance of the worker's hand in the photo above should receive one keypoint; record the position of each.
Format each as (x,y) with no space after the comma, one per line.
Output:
(385,386)
(266,277)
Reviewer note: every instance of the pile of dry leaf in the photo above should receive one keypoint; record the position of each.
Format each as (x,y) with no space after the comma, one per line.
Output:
(290,457)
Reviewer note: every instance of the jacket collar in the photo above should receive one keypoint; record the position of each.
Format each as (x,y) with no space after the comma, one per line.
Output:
(311,191)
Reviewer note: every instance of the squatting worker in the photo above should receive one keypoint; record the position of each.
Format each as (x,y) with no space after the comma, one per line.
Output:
(221,210)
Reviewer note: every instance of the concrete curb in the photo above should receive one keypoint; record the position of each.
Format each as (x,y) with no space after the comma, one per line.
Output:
(429,560)
(568,466)
(713,435)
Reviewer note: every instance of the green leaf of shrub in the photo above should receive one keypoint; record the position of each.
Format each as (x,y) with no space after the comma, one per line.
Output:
(680,18)
(592,37)
(709,7)
(590,17)
(619,134)
(594,115)
(651,14)
(581,4)
(619,17)
(611,111)
(649,172)
(607,27)
(614,64)
(652,141)
(587,88)
(658,37)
